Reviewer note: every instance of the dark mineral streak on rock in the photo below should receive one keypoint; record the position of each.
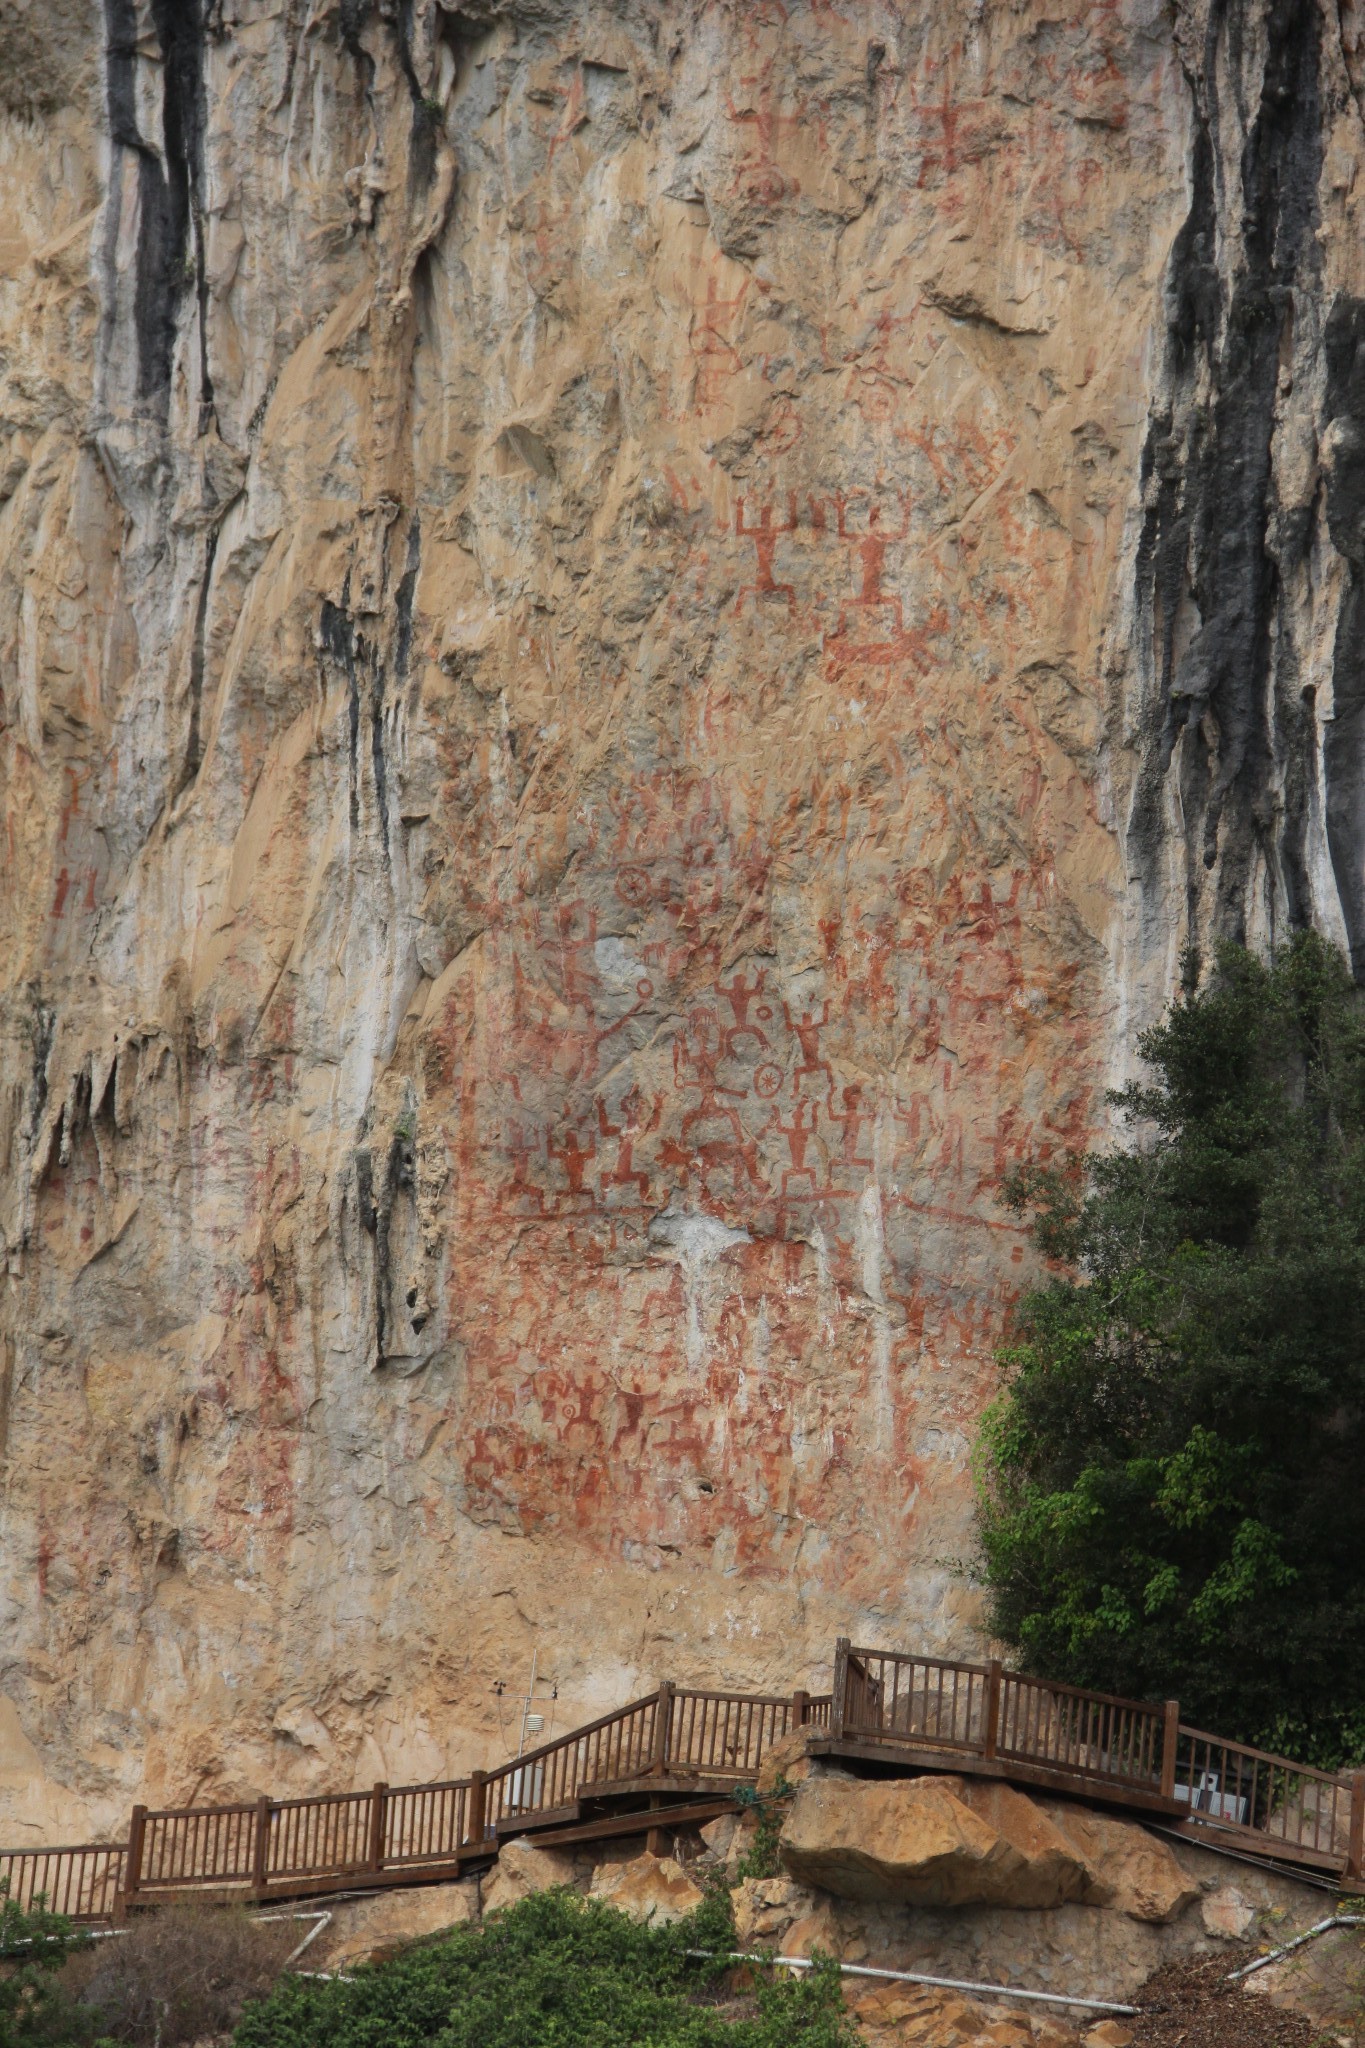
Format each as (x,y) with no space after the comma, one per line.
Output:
(169,247)
(1344,737)
(1225,715)
(404,597)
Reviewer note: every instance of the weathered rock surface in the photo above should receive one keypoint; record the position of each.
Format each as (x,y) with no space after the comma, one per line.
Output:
(765,1907)
(914,2016)
(655,1889)
(522,1869)
(1135,1872)
(1102,1951)
(931,1842)
(630,637)
(368,1930)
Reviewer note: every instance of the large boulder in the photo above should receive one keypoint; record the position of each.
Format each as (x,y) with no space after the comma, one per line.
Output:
(651,1888)
(521,1869)
(368,1930)
(931,1842)
(1138,1875)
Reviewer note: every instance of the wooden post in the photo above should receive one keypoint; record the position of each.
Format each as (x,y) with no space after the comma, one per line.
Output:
(837,1701)
(990,1734)
(1170,1743)
(132,1864)
(800,1709)
(375,1859)
(477,1817)
(658,1841)
(663,1727)
(260,1849)
(1355,1852)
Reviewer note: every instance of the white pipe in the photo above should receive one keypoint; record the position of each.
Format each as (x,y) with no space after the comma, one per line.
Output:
(915,1977)
(1299,1941)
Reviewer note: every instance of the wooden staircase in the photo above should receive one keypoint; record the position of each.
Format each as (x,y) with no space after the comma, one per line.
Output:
(677,1757)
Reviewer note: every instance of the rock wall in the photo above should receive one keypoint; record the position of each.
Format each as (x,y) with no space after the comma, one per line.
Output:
(632,634)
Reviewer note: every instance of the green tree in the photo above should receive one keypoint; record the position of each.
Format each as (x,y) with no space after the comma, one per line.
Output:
(34,2010)
(1172,1481)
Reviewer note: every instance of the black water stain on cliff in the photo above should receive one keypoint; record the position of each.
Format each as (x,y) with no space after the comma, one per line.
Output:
(1344,736)
(336,632)
(379,1208)
(1208,579)
(404,598)
(194,743)
(359,661)
(169,246)
(43,1029)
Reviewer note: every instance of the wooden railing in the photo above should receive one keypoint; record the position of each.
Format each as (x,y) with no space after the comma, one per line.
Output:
(84,1883)
(1083,1734)
(984,1711)
(550,1779)
(1272,1803)
(930,1711)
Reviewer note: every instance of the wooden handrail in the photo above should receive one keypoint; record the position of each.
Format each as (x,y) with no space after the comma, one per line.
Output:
(1261,1756)
(560,1742)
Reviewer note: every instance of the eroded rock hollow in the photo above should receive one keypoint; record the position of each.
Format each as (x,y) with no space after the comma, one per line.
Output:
(632,635)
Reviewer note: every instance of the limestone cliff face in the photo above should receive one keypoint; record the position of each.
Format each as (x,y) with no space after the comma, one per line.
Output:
(632,633)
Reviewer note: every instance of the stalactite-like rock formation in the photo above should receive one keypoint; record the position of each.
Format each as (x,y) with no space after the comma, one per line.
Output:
(632,637)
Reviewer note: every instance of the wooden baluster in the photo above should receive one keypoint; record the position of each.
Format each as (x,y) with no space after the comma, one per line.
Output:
(132,1869)
(800,1709)
(375,1860)
(990,1743)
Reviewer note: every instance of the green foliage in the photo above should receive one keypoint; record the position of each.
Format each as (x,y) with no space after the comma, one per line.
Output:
(1170,1487)
(34,2010)
(555,1971)
(760,1859)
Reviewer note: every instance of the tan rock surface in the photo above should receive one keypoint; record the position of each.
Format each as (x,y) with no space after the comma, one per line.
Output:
(601,720)
(1136,1872)
(930,1842)
(522,1869)
(367,1930)
(766,1907)
(655,1889)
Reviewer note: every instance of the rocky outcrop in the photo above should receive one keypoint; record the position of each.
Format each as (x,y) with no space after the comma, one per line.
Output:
(1134,1872)
(371,1930)
(653,1889)
(931,1842)
(522,1869)
(631,636)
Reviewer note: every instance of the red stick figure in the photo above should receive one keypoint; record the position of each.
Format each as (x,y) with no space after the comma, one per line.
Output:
(765,537)
(740,993)
(798,1134)
(807,1028)
(575,1160)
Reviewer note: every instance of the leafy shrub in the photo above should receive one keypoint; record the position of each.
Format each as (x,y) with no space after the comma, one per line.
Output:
(1170,1492)
(760,1859)
(555,1971)
(35,2009)
(181,1973)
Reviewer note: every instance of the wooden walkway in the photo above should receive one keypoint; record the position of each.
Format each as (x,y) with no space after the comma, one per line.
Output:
(677,1757)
